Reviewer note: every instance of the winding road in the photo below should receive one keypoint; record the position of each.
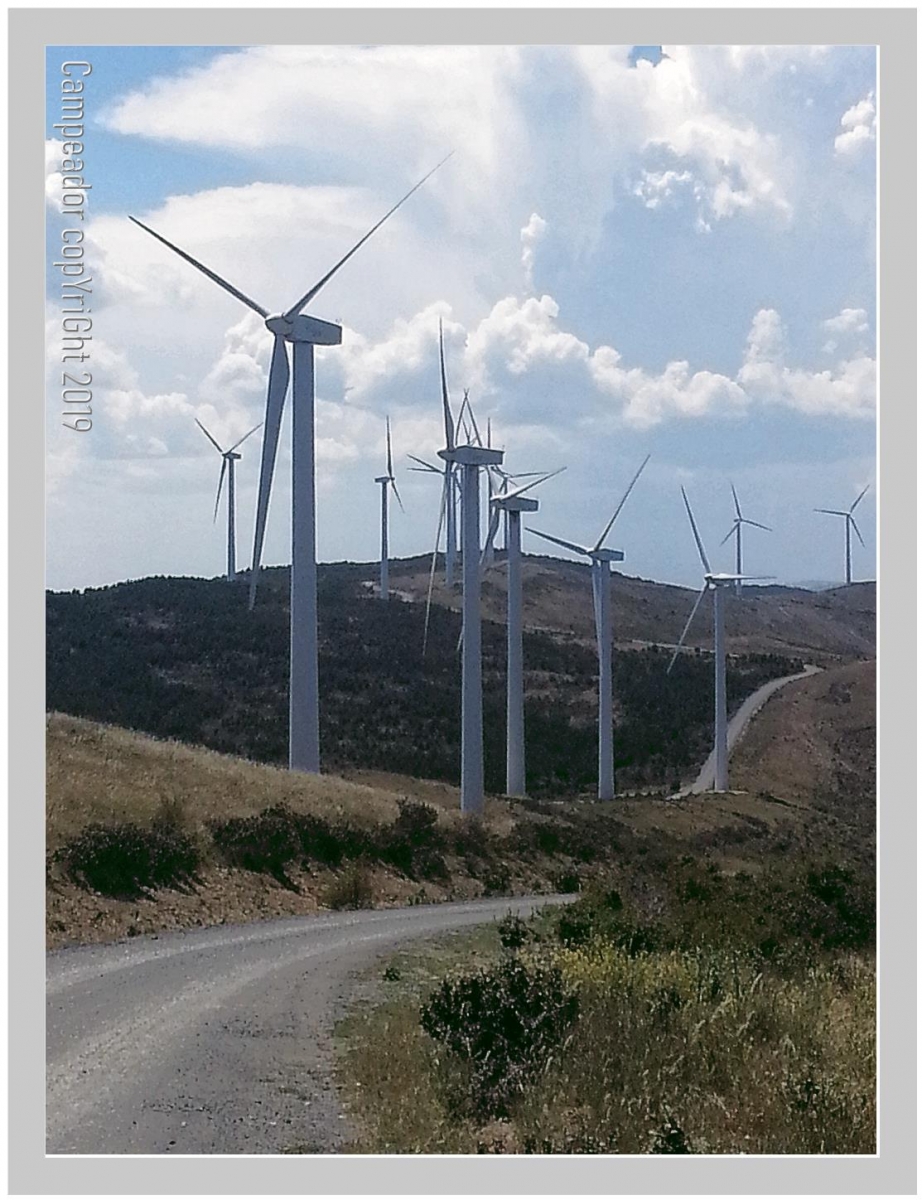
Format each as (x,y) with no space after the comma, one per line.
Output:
(217,1041)
(737,725)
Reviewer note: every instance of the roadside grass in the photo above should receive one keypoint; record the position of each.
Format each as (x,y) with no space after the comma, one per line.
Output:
(690,1036)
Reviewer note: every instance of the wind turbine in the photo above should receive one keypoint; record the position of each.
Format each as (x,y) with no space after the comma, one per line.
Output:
(448,489)
(385,480)
(737,529)
(850,524)
(303,332)
(229,458)
(470,459)
(601,561)
(513,503)
(717,583)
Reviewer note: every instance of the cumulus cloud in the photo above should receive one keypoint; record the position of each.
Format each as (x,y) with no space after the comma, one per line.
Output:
(530,235)
(860,127)
(849,390)
(53,178)
(847,325)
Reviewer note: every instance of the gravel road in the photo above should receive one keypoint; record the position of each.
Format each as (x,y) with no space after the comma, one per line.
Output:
(737,724)
(217,1041)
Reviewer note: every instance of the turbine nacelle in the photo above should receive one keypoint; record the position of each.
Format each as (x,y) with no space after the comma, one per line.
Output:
(606,556)
(472,456)
(515,503)
(303,328)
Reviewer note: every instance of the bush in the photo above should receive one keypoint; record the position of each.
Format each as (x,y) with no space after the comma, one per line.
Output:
(351,889)
(123,860)
(513,932)
(267,842)
(414,842)
(504,1025)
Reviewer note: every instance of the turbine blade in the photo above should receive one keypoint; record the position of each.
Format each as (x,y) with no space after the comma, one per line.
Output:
(220,485)
(614,515)
(856,529)
(397,494)
(681,640)
(492,531)
(731,533)
(757,524)
(472,418)
(703,556)
(526,486)
(425,466)
(390,464)
(279,373)
(309,295)
(489,434)
(208,435)
(736,501)
(446,407)
(435,555)
(835,512)
(244,438)
(559,541)
(860,498)
(228,287)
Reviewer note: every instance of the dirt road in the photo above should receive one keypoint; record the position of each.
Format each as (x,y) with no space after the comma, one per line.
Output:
(216,1041)
(737,724)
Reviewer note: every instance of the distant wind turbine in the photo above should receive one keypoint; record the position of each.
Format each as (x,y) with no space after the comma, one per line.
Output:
(513,502)
(737,529)
(303,332)
(717,583)
(386,480)
(850,524)
(601,561)
(229,459)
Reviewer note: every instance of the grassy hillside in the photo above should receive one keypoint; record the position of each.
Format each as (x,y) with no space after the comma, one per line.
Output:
(183,658)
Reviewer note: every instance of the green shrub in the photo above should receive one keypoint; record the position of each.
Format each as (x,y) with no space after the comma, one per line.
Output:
(513,932)
(124,860)
(268,842)
(504,1025)
(414,842)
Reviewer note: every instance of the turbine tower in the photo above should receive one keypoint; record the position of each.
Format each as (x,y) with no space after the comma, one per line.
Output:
(737,529)
(512,502)
(717,583)
(601,561)
(384,481)
(229,458)
(470,459)
(850,524)
(303,333)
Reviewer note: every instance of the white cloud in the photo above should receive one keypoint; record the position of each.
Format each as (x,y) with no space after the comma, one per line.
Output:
(849,390)
(530,235)
(849,324)
(860,125)
(53,177)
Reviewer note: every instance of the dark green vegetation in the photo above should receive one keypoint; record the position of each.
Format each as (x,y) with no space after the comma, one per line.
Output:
(183,658)
(673,1009)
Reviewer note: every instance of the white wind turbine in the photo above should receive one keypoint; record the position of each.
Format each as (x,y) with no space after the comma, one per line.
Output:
(229,459)
(513,503)
(850,524)
(385,481)
(470,459)
(601,561)
(716,582)
(303,333)
(737,529)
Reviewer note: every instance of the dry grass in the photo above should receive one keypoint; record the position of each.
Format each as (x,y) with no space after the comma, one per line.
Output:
(102,773)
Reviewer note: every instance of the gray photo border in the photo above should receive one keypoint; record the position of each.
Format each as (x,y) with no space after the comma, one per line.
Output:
(892,1171)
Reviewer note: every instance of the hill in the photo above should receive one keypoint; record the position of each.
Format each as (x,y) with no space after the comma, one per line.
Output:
(823,627)
(183,658)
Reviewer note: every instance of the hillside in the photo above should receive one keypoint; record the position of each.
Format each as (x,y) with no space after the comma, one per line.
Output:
(107,777)
(185,659)
(822,627)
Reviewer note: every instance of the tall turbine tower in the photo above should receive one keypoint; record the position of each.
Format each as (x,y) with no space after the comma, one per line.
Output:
(512,502)
(302,333)
(601,561)
(717,583)
(850,524)
(385,481)
(737,529)
(230,458)
(470,459)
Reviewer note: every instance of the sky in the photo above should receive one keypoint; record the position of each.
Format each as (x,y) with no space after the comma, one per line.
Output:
(634,250)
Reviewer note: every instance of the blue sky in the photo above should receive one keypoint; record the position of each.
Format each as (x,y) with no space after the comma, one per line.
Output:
(665,250)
